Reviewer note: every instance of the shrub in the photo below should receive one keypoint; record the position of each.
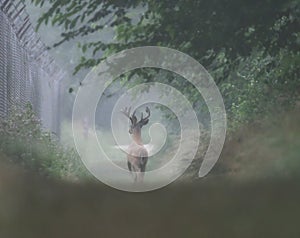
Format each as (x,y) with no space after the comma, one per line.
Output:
(25,142)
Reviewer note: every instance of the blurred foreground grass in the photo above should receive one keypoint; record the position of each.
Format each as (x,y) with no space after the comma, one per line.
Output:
(214,207)
(252,192)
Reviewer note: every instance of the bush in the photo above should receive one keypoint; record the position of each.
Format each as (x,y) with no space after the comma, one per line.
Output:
(23,141)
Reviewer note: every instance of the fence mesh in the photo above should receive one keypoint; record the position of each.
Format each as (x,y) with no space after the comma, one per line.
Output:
(27,73)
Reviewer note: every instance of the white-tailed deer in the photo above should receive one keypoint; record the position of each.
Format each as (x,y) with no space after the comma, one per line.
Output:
(137,154)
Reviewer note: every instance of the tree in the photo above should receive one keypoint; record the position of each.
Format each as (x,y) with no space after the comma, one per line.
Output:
(241,43)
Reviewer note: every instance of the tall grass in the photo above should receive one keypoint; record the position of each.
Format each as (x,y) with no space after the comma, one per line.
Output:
(23,141)
(255,195)
(263,149)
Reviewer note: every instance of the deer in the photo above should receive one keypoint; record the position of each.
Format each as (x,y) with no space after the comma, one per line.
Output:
(137,154)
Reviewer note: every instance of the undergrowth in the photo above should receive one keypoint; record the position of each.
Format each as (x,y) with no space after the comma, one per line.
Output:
(23,141)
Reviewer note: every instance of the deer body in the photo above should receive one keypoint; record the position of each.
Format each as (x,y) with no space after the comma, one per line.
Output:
(137,159)
(137,154)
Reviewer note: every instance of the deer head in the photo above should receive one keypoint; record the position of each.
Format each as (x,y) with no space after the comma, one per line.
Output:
(136,126)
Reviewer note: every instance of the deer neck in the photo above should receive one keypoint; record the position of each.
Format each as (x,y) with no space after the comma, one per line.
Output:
(137,138)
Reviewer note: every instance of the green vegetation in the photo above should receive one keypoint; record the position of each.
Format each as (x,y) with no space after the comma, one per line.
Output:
(268,149)
(23,142)
(251,48)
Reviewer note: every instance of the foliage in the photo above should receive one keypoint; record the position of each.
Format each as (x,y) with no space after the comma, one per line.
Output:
(194,27)
(250,47)
(263,150)
(261,84)
(23,141)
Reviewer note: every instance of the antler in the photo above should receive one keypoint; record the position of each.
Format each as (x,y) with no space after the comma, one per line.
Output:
(127,113)
(145,120)
(132,118)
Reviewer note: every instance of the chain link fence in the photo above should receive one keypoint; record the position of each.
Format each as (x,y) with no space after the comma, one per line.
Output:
(27,73)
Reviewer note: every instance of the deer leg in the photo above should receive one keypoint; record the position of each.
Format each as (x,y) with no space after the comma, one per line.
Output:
(129,165)
(134,170)
(143,164)
(141,168)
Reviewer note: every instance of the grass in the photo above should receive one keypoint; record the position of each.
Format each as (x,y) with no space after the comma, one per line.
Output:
(23,142)
(264,150)
(252,192)
(32,207)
